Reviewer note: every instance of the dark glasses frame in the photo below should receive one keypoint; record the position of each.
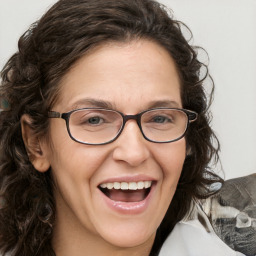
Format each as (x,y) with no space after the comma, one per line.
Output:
(191,117)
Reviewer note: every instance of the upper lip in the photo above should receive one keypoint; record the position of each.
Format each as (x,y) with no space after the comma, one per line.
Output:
(136,178)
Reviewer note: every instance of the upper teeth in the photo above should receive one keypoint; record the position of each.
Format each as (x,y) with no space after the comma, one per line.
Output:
(127,185)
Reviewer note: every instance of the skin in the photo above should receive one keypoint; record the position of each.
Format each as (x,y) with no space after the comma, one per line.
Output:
(131,77)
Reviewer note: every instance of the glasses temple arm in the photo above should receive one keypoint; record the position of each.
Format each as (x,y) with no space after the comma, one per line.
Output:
(54,114)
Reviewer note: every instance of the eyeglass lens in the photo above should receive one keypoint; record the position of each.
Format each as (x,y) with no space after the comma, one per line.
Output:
(97,126)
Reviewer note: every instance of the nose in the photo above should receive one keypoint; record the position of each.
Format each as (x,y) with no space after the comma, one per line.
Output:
(131,147)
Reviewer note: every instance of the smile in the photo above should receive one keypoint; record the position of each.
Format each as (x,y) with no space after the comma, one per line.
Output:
(127,185)
(126,191)
(128,197)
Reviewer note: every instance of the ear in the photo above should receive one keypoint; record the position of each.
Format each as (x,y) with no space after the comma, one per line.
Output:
(36,148)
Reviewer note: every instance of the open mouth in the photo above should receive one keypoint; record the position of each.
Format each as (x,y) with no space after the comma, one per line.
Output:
(126,191)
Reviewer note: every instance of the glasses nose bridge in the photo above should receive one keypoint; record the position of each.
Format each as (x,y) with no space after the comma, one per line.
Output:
(132,117)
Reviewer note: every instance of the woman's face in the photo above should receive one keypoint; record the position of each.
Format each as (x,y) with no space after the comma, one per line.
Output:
(128,77)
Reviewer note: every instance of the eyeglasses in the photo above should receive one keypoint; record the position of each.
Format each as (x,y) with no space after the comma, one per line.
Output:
(96,126)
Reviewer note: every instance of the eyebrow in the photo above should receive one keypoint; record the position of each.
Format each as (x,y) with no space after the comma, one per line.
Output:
(90,102)
(164,104)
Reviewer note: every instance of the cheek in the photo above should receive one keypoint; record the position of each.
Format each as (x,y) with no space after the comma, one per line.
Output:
(77,160)
(74,167)
(171,158)
(172,163)
(70,157)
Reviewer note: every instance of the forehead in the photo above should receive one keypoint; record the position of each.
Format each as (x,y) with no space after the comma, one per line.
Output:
(122,73)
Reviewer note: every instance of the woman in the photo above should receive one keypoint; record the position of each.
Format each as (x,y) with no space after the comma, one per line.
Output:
(132,153)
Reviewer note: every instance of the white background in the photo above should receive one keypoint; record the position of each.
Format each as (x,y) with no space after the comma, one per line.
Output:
(227,30)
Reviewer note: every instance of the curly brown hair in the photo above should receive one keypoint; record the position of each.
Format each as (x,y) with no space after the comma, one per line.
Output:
(29,85)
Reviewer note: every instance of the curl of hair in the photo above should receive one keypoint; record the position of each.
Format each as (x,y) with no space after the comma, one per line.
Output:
(29,84)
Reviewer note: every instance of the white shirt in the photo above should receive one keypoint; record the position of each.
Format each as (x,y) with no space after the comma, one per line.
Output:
(190,238)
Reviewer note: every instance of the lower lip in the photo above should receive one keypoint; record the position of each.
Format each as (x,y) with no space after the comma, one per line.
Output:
(129,207)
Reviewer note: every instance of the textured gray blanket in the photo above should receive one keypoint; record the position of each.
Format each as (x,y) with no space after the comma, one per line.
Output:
(232,213)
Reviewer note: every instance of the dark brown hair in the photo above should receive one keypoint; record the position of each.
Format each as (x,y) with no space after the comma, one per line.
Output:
(29,85)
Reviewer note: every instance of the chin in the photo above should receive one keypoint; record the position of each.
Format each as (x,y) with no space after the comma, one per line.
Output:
(129,238)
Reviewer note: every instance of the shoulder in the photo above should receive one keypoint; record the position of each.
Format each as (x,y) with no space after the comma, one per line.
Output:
(195,237)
